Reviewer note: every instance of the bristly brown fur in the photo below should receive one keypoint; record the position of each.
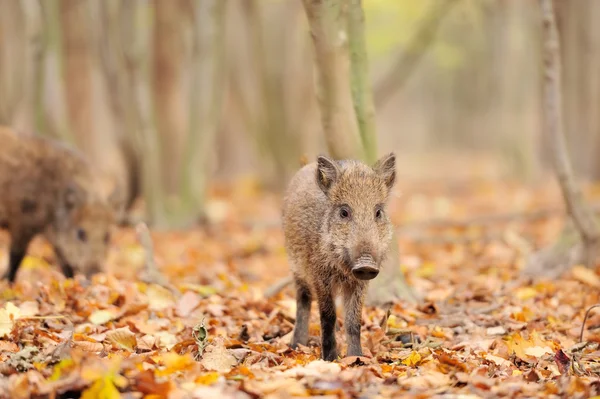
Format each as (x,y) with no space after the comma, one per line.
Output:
(334,221)
(50,189)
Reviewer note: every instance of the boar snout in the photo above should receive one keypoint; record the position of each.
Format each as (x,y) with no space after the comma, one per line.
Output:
(92,269)
(365,268)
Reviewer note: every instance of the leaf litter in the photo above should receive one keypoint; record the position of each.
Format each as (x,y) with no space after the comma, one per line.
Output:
(481,331)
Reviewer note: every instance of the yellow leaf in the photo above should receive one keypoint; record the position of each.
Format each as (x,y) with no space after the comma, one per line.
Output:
(525,293)
(103,388)
(524,349)
(413,359)
(395,322)
(174,362)
(122,338)
(159,298)
(60,368)
(586,276)
(426,270)
(8,315)
(208,378)
(100,317)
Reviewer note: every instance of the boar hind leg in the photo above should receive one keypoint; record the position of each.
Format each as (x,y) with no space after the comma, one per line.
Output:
(353,302)
(18,248)
(303,302)
(328,321)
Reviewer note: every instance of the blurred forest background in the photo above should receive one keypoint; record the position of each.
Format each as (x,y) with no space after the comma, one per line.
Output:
(169,97)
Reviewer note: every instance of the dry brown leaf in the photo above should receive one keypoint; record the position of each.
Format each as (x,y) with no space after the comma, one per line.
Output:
(88,346)
(218,358)
(187,303)
(122,338)
(586,276)
(159,298)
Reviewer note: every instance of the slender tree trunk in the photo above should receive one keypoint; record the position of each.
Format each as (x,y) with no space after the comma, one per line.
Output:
(77,71)
(13,45)
(168,94)
(362,94)
(567,250)
(328,25)
(205,103)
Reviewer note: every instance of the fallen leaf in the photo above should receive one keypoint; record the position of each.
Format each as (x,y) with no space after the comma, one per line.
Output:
(412,360)
(159,298)
(100,317)
(187,303)
(174,362)
(586,276)
(208,378)
(218,358)
(122,338)
(8,315)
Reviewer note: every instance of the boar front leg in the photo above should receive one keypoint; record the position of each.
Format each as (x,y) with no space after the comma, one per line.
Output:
(353,303)
(303,303)
(66,268)
(18,248)
(328,320)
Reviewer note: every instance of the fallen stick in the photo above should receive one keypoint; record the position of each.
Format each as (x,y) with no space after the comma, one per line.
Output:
(151,274)
(278,287)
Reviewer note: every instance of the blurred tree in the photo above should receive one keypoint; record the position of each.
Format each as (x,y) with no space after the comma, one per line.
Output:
(584,245)
(274,107)
(77,71)
(346,105)
(206,100)
(13,47)
(407,60)
(168,88)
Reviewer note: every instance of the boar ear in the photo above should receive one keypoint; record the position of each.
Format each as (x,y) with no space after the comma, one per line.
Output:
(385,167)
(73,196)
(327,173)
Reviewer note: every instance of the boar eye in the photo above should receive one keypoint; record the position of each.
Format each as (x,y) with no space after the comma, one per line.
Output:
(344,212)
(106,238)
(81,235)
(378,213)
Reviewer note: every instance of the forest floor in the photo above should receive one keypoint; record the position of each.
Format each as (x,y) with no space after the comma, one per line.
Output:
(482,330)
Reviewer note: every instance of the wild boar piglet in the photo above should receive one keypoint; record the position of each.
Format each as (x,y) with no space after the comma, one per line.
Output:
(337,234)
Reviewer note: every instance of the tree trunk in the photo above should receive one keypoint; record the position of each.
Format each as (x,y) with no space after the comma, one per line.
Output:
(328,25)
(13,45)
(205,104)
(586,251)
(168,93)
(77,71)
(362,95)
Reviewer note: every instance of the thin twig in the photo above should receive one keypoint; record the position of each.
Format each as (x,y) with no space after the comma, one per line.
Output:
(585,319)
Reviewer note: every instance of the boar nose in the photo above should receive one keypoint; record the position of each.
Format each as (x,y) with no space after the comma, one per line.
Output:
(92,269)
(365,272)
(365,268)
